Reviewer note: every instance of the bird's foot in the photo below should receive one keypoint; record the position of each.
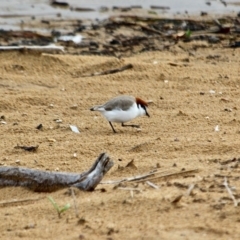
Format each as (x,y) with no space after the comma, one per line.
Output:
(132,125)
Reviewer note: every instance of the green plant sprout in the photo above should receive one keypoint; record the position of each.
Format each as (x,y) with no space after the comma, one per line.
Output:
(60,210)
(188,33)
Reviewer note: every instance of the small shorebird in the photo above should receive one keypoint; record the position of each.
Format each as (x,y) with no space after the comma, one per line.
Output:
(122,109)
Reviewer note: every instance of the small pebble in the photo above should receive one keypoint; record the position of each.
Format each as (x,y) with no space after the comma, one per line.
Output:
(39,127)
(52,140)
(58,120)
(75,106)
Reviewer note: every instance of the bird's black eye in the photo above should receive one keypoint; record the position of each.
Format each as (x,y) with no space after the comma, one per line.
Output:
(145,109)
(142,106)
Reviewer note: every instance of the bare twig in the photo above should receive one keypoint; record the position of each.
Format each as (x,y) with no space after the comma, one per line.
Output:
(17,201)
(190,188)
(131,193)
(170,174)
(151,29)
(111,71)
(142,178)
(128,179)
(130,189)
(225,183)
(152,185)
(74,202)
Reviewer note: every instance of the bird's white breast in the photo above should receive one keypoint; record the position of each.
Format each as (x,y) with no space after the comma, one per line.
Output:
(120,116)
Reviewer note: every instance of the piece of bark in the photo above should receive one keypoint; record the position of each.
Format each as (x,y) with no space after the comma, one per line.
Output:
(45,181)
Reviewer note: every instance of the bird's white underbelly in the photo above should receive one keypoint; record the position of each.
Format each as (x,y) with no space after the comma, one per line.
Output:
(120,116)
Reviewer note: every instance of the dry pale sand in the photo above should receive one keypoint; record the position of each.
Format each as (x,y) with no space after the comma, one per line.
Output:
(190,95)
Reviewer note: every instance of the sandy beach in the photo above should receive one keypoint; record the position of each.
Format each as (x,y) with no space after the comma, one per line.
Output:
(191,140)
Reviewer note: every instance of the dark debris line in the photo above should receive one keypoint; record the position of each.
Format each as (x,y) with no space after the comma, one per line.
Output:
(127,35)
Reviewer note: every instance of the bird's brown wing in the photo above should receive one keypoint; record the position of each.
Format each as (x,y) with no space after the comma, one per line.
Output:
(121,102)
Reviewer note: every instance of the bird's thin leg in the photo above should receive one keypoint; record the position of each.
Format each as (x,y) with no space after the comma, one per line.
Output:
(112,127)
(136,126)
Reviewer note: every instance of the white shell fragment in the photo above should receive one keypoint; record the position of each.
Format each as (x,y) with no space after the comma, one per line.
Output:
(216,128)
(58,120)
(212,92)
(51,140)
(66,38)
(74,129)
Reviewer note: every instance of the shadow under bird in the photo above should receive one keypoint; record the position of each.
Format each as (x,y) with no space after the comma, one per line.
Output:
(122,109)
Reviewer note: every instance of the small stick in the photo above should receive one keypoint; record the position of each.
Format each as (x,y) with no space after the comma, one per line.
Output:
(131,193)
(111,71)
(190,188)
(3,203)
(130,189)
(142,178)
(128,179)
(235,202)
(170,174)
(152,185)
(150,29)
(74,202)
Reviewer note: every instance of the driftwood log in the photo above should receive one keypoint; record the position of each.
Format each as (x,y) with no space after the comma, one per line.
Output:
(45,181)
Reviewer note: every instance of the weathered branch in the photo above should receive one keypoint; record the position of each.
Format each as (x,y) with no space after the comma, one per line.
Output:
(44,181)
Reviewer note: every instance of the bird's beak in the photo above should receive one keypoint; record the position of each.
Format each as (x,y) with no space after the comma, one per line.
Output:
(147,113)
